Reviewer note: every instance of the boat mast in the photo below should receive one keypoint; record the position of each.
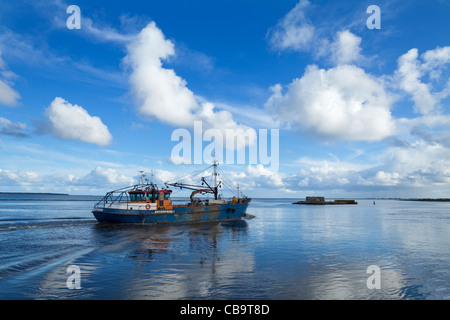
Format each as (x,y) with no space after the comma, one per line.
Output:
(238,191)
(215,176)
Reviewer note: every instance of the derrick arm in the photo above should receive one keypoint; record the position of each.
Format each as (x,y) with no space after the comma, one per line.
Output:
(198,191)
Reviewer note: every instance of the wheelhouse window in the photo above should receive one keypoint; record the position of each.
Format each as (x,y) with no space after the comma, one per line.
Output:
(148,196)
(137,197)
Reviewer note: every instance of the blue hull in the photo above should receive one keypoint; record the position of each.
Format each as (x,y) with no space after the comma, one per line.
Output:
(220,212)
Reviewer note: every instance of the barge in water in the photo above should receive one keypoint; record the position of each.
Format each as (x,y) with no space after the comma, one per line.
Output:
(321,201)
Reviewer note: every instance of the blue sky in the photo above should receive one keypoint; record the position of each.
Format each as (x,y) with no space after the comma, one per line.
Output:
(360,112)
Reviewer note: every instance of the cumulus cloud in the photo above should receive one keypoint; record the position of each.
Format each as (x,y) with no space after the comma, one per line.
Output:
(159,92)
(262,176)
(346,48)
(330,177)
(386,178)
(100,179)
(328,104)
(399,171)
(431,128)
(339,103)
(325,174)
(20,178)
(72,122)
(163,95)
(419,162)
(104,177)
(343,102)
(253,177)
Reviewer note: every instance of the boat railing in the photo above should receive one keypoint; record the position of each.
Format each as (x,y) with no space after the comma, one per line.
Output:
(113,197)
(121,195)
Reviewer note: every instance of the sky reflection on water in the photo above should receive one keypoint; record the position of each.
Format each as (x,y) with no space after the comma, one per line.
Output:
(286,252)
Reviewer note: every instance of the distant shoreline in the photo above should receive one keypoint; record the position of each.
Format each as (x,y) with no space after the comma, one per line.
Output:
(37,193)
(337,198)
(428,199)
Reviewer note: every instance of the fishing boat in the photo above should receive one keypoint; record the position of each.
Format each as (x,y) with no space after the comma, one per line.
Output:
(146,203)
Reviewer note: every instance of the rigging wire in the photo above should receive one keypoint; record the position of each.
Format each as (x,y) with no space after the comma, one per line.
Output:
(229,182)
(185,177)
(223,178)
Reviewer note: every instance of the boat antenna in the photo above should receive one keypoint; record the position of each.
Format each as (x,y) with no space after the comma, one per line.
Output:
(142,175)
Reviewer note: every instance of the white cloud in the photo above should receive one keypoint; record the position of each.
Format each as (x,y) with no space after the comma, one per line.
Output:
(432,128)
(343,102)
(254,116)
(386,178)
(293,31)
(161,176)
(324,174)
(262,176)
(399,171)
(412,71)
(161,94)
(104,33)
(251,178)
(2,63)
(98,180)
(101,177)
(47,9)
(339,103)
(10,128)
(8,96)
(419,162)
(409,73)
(346,48)
(20,178)
(23,50)
(72,122)
(436,58)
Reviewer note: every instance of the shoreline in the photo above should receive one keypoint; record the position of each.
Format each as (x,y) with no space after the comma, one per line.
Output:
(427,199)
(37,193)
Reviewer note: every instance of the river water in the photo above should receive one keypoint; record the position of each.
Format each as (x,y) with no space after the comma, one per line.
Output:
(385,250)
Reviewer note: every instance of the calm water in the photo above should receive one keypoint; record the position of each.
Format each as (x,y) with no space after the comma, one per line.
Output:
(286,252)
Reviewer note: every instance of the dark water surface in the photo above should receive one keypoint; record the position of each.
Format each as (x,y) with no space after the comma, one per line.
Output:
(286,252)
